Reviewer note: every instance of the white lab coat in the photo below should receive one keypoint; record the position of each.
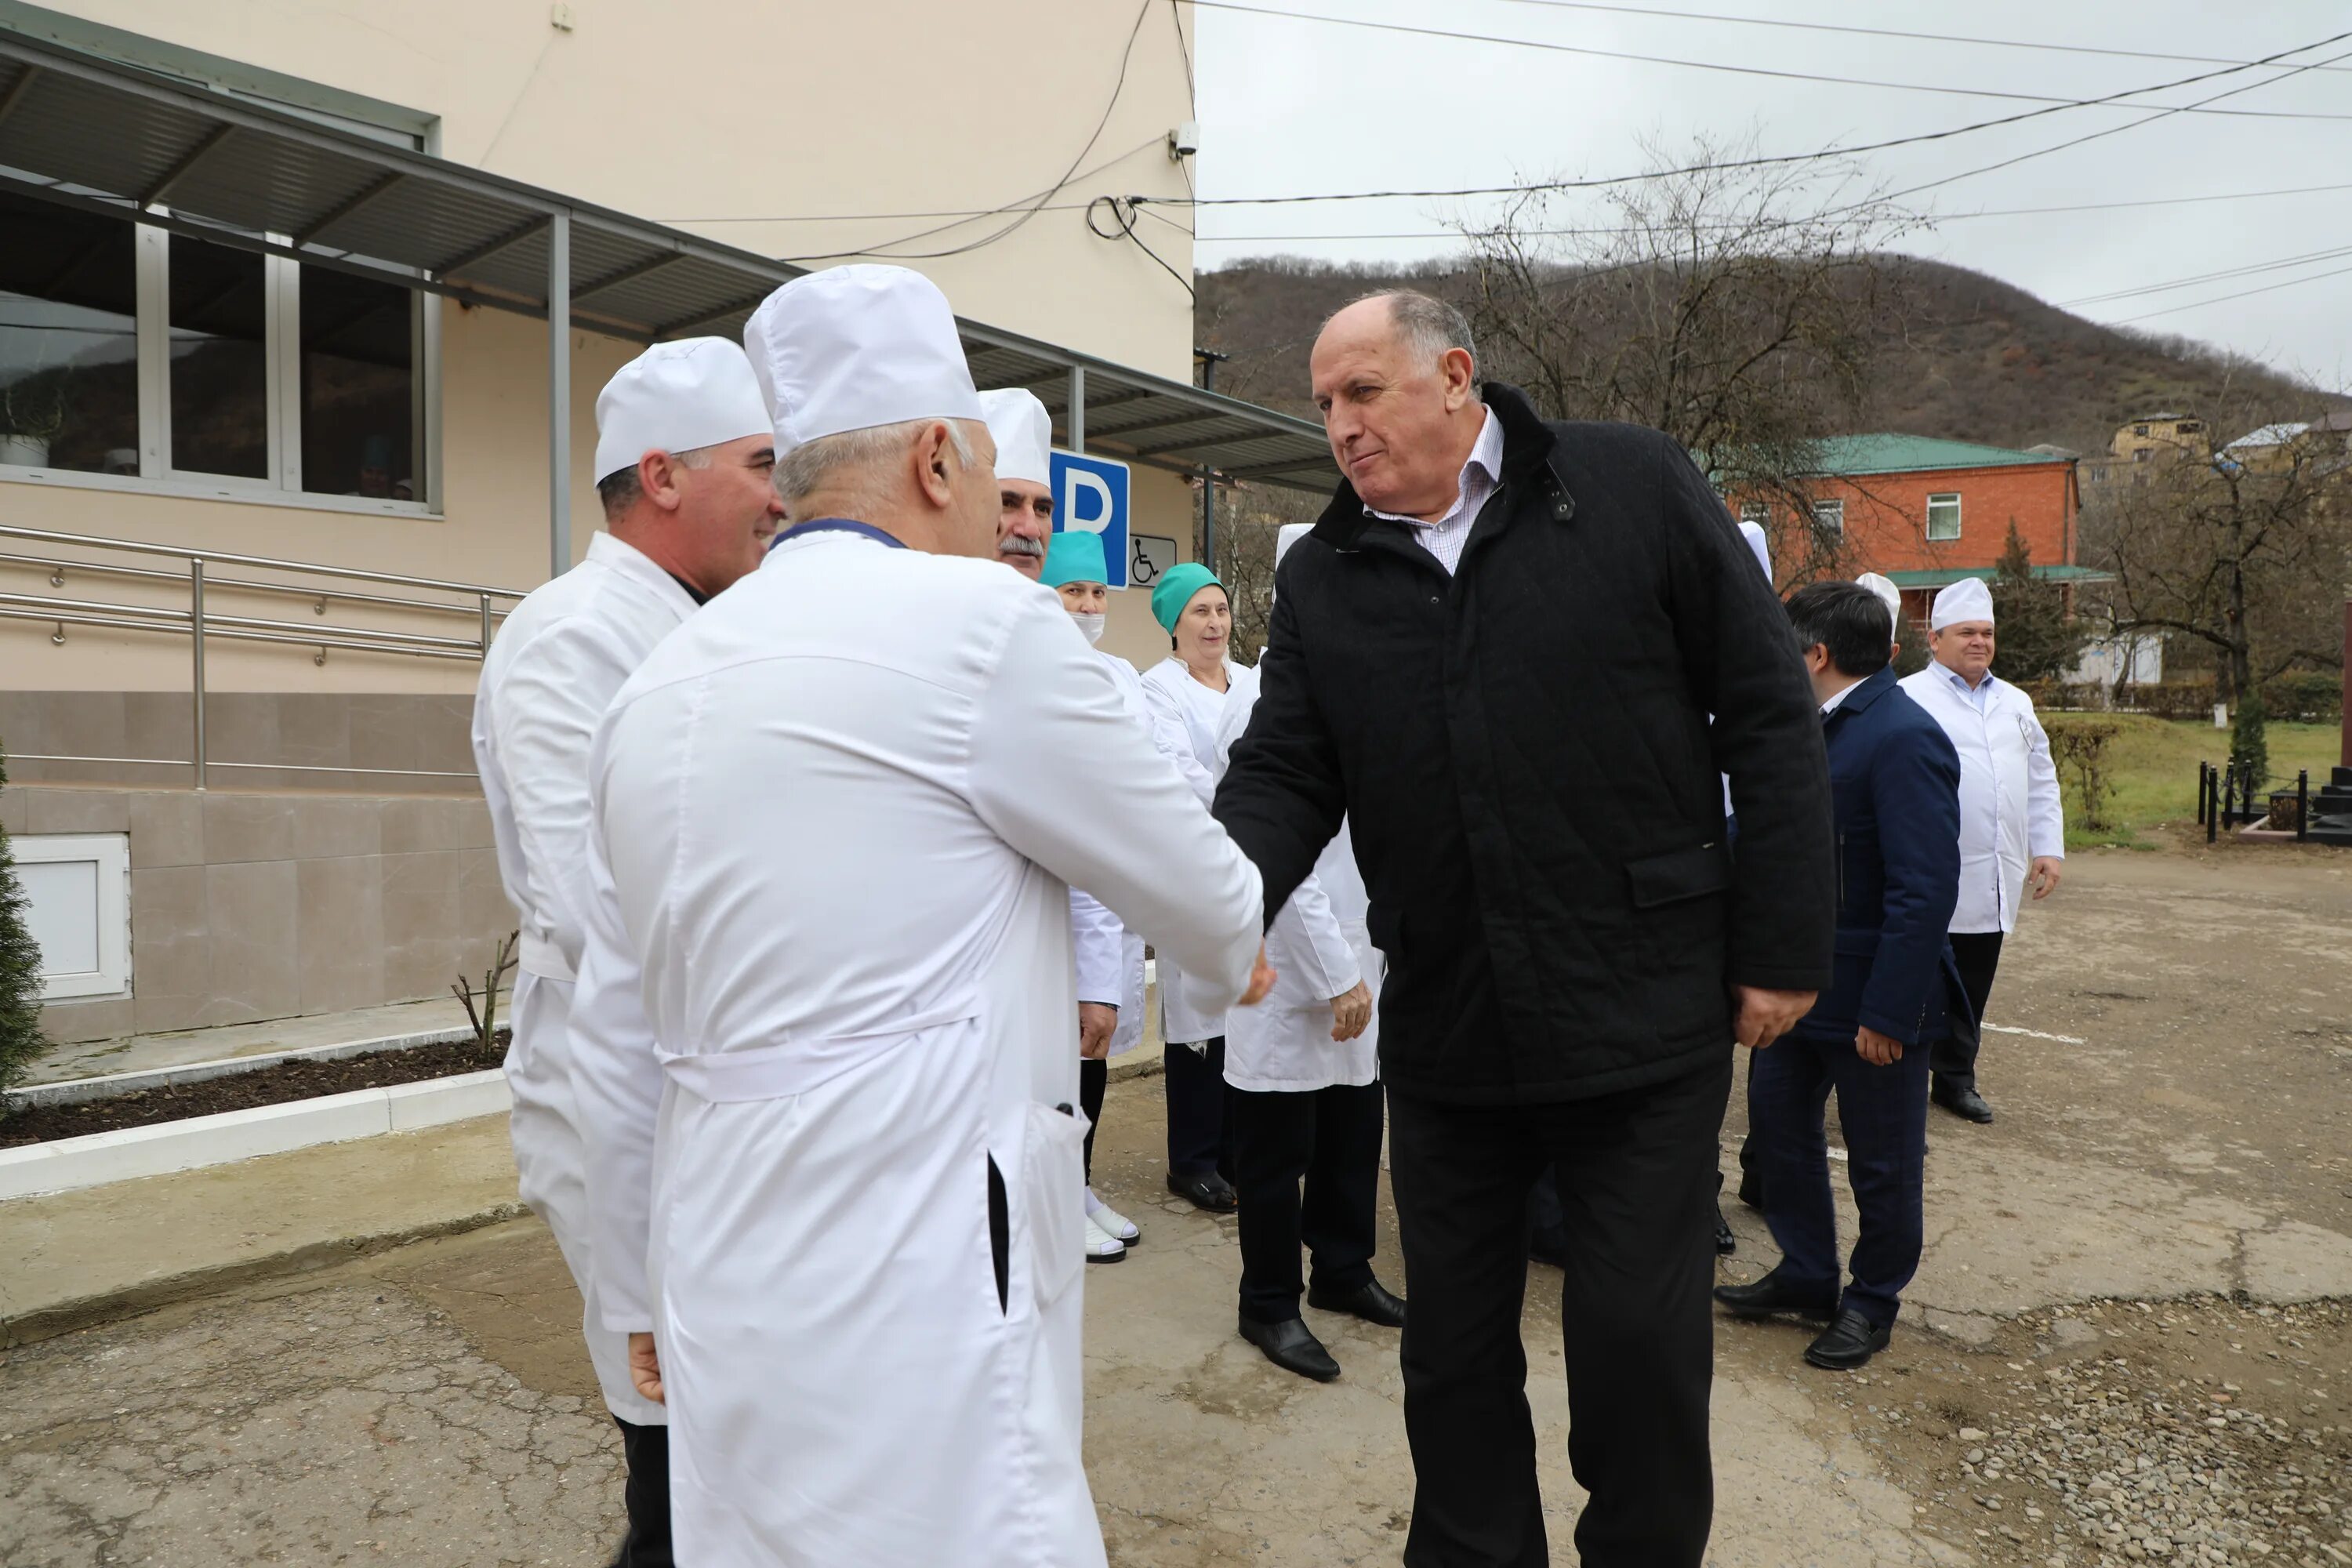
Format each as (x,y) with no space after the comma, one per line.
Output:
(1184,719)
(556,663)
(1320,948)
(831,863)
(2010,812)
(1110,956)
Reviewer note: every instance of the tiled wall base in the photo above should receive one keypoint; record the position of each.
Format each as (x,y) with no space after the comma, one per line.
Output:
(247,905)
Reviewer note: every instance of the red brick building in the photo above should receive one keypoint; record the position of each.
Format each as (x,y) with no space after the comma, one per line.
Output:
(1928,512)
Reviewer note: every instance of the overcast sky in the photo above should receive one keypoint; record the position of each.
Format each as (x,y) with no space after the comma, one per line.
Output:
(1301,107)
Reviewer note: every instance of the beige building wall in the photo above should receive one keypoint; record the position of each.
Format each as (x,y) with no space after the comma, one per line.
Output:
(766,127)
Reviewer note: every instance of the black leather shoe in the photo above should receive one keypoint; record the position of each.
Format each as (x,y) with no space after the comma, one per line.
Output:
(1210,1191)
(1772,1295)
(1370,1301)
(1849,1343)
(1292,1346)
(1964,1104)
(1725,1243)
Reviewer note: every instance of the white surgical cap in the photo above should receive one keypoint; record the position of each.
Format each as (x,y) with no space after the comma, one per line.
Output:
(1966,600)
(676,397)
(855,347)
(1023,432)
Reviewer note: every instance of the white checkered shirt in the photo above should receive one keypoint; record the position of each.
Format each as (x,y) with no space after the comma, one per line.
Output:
(1445,537)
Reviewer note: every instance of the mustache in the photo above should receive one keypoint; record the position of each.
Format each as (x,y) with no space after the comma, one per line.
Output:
(1017,545)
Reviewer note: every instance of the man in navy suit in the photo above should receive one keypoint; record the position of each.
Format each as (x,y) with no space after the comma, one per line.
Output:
(1896,782)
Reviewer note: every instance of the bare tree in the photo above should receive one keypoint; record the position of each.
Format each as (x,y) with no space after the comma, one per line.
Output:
(1249,521)
(1739,309)
(2247,553)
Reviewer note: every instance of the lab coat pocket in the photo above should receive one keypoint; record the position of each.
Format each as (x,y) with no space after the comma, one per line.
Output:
(1053,1199)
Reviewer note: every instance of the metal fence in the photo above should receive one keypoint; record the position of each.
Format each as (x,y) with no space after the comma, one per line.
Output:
(478,606)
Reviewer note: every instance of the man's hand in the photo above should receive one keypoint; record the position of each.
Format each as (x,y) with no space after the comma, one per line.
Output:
(2042,876)
(1261,978)
(1097,1021)
(1350,1012)
(1766,1016)
(1879,1050)
(645,1367)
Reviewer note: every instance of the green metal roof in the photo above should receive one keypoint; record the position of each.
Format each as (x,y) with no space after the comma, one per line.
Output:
(1942,577)
(1889,454)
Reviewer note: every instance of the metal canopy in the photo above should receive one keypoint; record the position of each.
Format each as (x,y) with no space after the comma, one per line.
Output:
(98,134)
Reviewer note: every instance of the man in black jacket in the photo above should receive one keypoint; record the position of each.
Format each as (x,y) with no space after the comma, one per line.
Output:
(1500,646)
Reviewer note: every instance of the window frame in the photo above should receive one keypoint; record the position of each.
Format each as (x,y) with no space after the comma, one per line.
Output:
(1757,512)
(1938,499)
(281,276)
(1830,515)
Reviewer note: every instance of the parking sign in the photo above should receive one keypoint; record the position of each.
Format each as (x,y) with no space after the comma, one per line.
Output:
(1090,494)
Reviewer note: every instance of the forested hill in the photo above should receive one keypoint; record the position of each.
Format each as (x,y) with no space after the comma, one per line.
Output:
(1968,357)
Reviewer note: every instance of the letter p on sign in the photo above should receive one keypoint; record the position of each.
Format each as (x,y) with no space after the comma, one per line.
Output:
(1090,495)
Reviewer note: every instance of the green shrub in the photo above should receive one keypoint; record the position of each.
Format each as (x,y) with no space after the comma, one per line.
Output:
(21,1039)
(2305,697)
(2250,746)
(2079,747)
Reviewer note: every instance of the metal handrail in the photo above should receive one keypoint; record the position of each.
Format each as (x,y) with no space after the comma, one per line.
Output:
(199,627)
(57,566)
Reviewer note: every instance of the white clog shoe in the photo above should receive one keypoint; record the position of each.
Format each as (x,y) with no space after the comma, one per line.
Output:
(1102,1247)
(1111,1221)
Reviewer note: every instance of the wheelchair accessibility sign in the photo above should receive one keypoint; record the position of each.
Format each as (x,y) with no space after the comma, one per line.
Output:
(1150,560)
(1090,494)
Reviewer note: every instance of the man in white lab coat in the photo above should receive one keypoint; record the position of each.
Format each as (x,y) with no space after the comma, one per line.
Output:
(684,457)
(1305,1107)
(837,1181)
(2012,823)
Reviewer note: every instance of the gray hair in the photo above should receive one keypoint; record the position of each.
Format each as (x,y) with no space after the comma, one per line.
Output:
(1430,326)
(620,492)
(810,464)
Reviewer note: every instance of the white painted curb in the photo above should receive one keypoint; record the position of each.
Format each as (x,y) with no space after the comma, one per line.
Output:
(99,1158)
(82,1090)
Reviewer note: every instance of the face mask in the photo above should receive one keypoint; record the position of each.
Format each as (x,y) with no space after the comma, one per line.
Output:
(1091,625)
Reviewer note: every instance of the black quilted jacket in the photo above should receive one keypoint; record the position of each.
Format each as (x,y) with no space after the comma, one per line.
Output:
(1524,756)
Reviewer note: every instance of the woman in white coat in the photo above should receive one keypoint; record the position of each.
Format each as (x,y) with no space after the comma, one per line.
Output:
(1188,693)
(1306,1102)
(1110,956)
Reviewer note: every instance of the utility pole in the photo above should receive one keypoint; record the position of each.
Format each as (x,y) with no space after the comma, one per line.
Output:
(1210,360)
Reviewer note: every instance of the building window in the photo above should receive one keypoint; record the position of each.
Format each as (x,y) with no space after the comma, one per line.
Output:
(2190,428)
(126,348)
(68,340)
(1829,516)
(2140,430)
(1943,517)
(1756,512)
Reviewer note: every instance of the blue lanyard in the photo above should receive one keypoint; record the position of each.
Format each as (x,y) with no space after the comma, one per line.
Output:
(837,525)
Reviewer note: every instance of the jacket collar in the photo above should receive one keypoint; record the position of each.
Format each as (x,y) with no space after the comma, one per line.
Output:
(634,564)
(1870,689)
(1529,448)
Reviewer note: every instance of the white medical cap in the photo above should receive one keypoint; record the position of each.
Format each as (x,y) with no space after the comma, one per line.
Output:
(676,397)
(1888,595)
(1023,432)
(855,347)
(1757,546)
(1966,600)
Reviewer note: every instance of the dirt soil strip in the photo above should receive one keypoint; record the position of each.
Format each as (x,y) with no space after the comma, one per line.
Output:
(275,1085)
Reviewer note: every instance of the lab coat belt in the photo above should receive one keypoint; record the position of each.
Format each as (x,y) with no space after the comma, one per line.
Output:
(541,957)
(797,1066)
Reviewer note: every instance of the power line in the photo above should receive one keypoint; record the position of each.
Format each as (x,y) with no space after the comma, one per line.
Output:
(2035,44)
(1934,218)
(2224,298)
(2250,269)
(1527,188)
(1724,67)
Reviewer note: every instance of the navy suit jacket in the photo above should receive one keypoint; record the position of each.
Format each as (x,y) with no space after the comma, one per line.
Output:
(1896,780)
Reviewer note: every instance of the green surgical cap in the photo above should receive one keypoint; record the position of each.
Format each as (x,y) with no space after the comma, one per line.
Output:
(1075,556)
(1176,591)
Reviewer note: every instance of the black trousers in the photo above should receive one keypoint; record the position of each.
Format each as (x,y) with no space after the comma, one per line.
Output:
(1200,1135)
(647,1451)
(1635,1173)
(1094,1078)
(1884,1113)
(1329,1140)
(1978,954)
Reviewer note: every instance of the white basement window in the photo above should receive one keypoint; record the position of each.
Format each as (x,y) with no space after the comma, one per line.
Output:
(1944,517)
(1829,516)
(133,352)
(79,887)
